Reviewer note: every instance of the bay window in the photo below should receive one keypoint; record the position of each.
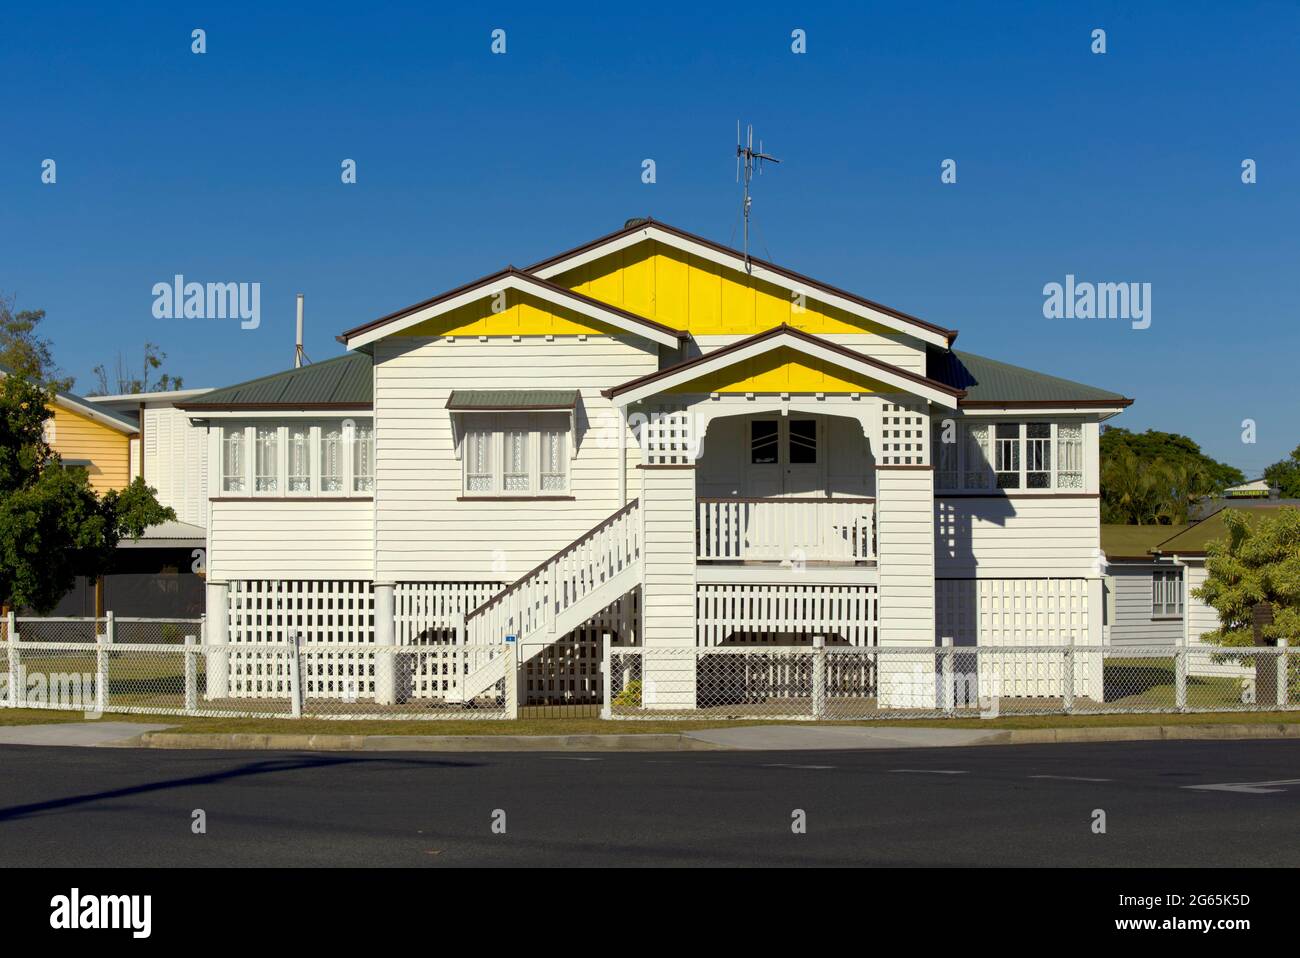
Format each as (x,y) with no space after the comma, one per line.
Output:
(300,458)
(987,456)
(515,454)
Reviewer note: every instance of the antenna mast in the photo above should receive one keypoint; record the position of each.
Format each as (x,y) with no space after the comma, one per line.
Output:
(753,159)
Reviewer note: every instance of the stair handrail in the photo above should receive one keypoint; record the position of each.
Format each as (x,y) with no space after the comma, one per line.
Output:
(575,544)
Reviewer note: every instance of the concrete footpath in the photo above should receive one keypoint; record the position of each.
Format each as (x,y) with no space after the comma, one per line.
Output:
(746,738)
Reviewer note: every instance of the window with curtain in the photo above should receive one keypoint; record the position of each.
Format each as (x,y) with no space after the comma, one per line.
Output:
(363,457)
(267,459)
(516,454)
(331,457)
(1007,455)
(233,466)
(299,449)
(553,472)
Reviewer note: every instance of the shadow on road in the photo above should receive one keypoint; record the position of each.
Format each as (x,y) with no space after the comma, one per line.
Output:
(268,767)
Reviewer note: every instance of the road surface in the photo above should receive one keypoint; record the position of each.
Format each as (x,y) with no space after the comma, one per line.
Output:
(1164,804)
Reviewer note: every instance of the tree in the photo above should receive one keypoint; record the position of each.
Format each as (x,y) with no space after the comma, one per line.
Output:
(53,527)
(1156,477)
(23,350)
(1259,561)
(124,382)
(1286,475)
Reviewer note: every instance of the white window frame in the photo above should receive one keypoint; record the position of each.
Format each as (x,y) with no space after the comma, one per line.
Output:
(315,430)
(1022,446)
(497,425)
(1167,584)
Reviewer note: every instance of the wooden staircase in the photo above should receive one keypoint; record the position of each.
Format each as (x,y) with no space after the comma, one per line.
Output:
(562,593)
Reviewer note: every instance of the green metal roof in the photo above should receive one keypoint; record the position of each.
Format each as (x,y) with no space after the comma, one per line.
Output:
(1135,542)
(1196,537)
(342,381)
(469,399)
(990,381)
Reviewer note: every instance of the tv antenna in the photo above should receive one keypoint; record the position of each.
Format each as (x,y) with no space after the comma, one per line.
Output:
(753,160)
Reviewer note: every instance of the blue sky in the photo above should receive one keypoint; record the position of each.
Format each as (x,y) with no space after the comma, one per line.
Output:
(1122,167)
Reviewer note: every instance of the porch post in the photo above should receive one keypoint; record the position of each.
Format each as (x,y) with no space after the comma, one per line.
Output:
(216,636)
(385,639)
(668,568)
(905,539)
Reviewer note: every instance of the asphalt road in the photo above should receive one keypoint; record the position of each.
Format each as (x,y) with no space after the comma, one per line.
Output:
(1006,805)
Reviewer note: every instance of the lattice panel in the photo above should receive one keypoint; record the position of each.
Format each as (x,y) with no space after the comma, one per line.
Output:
(903,437)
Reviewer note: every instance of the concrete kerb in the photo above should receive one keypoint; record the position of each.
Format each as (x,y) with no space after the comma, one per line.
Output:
(750,738)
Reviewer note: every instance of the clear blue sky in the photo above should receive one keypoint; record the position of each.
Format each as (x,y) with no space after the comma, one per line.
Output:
(1120,167)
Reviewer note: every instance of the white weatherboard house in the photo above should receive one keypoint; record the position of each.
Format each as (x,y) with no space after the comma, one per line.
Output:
(645,437)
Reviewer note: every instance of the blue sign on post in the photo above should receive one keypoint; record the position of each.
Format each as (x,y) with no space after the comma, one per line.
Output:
(511,638)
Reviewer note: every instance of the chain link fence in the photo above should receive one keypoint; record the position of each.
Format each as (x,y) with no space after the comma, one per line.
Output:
(882,682)
(163,666)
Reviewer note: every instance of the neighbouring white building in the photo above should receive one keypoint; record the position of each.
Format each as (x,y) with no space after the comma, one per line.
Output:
(649,436)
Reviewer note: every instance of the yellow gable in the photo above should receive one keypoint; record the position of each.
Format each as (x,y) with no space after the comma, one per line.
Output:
(783,370)
(521,314)
(74,436)
(687,292)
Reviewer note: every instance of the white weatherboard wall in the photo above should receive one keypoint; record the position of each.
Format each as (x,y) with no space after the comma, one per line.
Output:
(288,539)
(1131,620)
(905,546)
(1017,536)
(176,462)
(423,533)
(1202,618)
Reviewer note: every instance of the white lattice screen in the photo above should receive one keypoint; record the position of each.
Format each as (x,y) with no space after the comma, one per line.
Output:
(318,610)
(1016,612)
(904,439)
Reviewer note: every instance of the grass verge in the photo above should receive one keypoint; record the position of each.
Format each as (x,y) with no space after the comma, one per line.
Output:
(591,726)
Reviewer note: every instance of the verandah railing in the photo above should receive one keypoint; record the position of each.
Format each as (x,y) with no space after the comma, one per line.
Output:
(785,530)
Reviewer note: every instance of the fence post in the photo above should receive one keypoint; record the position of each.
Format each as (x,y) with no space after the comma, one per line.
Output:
(1281,673)
(1180,678)
(819,677)
(1067,679)
(948,694)
(508,669)
(102,642)
(191,674)
(295,676)
(606,679)
(15,661)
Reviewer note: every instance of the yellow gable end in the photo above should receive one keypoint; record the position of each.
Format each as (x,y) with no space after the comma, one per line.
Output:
(783,370)
(109,451)
(521,314)
(687,292)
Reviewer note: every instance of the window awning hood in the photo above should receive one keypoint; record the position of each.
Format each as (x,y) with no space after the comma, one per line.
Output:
(512,400)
